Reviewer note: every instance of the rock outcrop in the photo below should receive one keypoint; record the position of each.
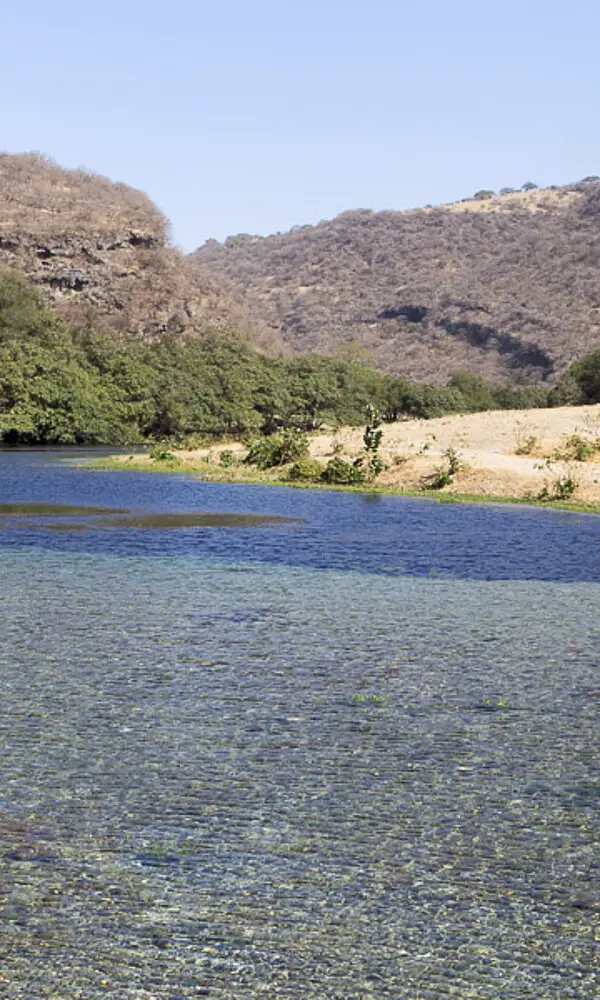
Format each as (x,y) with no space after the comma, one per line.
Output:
(99,252)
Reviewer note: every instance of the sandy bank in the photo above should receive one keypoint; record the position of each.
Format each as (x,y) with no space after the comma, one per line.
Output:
(487,443)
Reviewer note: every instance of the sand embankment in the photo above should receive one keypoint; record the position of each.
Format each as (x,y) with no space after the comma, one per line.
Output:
(488,444)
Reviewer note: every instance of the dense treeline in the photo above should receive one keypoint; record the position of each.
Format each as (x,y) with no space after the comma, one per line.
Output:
(580,384)
(59,385)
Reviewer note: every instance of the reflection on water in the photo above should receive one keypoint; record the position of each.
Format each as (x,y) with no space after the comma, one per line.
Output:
(229,773)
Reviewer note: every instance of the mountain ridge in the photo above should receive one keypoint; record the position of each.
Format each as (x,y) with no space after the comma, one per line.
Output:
(506,286)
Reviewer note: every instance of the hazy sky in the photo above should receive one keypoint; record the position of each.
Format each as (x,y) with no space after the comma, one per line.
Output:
(255,116)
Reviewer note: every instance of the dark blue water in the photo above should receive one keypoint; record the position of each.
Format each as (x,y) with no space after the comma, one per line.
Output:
(366,533)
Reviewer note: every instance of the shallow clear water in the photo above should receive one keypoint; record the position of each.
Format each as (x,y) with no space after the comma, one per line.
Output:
(351,754)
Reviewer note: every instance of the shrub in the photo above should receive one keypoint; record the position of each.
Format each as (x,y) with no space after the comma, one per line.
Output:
(226,459)
(483,194)
(440,479)
(527,445)
(560,485)
(454,459)
(565,487)
(160,453)
(372,436)
(520,397)
(580,383)
(343,473)
(562,488)
(576,449)
(294,445)
(306,470)
(525,441)
(277,449)
(476,392)
(444,475)
(263,452)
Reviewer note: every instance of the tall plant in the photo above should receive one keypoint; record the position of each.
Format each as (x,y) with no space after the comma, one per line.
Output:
(372,436)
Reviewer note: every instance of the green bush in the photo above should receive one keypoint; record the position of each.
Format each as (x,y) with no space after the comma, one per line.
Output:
(577,449)
(441,478)
(264,452)
(561,488)
(343,473)
(277,449)
(160,453)
(561,483)
(306,470)
(565,487)
(527,444)
(372,437)
(454,459)
(226,459)
(520,397)
(476,392)
(580,383)
(444,475)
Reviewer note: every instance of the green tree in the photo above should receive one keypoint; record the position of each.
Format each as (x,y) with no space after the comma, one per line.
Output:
(580,383)
(476,392)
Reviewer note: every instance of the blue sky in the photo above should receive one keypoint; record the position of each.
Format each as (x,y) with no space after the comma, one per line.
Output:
(254,117)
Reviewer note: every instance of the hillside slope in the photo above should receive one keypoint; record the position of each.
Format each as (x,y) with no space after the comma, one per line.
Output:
(508,287)
(98,248)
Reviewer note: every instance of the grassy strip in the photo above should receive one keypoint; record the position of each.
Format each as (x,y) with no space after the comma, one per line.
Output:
(210,472)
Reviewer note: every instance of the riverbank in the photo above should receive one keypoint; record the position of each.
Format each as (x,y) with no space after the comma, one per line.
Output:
(514,456)
(400,481)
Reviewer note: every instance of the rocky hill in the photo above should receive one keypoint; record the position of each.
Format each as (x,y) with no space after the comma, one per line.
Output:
(507,286)
(100,250)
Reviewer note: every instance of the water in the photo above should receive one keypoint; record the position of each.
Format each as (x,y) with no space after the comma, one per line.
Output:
(340,747)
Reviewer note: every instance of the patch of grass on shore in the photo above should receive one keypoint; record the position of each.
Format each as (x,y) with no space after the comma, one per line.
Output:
(209,471)
(214,473)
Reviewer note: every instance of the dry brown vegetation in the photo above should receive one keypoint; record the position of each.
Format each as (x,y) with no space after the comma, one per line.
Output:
(507,287)
(99,252)
(40,198)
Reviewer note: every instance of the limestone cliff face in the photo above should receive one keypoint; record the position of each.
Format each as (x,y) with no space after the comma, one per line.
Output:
(99,249)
